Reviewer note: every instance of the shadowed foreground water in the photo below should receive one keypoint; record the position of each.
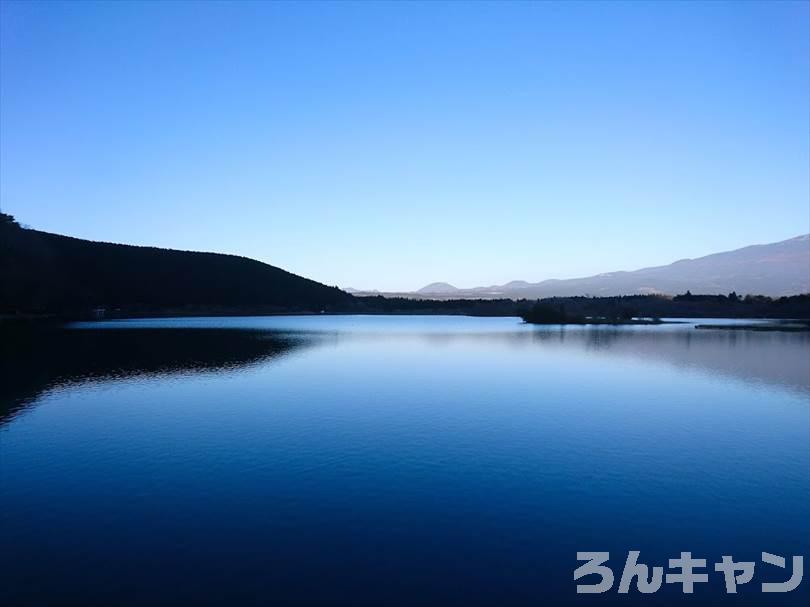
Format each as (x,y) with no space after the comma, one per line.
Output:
(394,460)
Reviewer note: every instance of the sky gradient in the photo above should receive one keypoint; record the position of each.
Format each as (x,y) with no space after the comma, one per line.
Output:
(391,145)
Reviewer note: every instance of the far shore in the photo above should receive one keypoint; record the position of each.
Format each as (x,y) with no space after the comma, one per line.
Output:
(615,311)
(20,321)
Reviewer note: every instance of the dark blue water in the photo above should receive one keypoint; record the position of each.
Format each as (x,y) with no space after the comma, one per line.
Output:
(395,460)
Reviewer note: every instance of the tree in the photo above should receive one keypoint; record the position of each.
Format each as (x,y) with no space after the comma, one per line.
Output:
(7,220)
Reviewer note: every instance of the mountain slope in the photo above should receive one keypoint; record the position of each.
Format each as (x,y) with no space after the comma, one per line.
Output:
(781,268)
(437,287)
(43,272)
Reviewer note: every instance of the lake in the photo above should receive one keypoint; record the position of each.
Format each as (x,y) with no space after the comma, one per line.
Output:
(394,460)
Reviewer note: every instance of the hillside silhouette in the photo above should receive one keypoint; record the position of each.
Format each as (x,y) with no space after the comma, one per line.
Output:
(53,274)
(50,274)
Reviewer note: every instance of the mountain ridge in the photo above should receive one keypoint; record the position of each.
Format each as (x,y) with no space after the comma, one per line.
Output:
(42,272)
(775,269)
(438,287)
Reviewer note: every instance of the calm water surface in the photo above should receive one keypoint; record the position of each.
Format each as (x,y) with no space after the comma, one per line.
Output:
(394,460)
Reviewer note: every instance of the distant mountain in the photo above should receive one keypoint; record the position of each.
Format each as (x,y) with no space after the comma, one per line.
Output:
(437,287)
(516,284)
(781,268)
(43,272)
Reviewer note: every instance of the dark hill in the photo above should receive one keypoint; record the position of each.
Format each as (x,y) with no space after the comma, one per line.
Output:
(48,273)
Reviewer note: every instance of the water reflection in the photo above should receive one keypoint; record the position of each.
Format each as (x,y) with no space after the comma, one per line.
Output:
(778,358)
(398,461)
(35,361)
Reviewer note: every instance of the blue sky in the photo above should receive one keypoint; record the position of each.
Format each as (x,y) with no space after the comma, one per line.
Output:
(386,146)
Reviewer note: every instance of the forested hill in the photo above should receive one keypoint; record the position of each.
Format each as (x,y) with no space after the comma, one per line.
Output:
(48,273)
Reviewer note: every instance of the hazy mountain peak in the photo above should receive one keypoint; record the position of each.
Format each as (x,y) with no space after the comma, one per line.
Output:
(437,287)
(776,269)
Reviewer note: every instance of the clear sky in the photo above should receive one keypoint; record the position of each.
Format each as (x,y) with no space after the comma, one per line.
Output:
(390,145)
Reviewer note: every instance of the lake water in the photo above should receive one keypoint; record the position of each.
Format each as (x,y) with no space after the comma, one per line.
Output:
(395,460)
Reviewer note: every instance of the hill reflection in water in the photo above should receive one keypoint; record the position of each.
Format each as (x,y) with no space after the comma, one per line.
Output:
(398,460)
(37,361)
